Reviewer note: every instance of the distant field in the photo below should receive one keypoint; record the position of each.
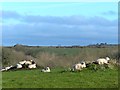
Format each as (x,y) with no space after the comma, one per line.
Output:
(107,78)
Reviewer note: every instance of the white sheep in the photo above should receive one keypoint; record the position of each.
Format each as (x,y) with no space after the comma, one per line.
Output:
(22,62)
(101,61)
(32,66)
(79,66)
(6,68)
(46,70)
(3,70)
(19,66)
(28,62)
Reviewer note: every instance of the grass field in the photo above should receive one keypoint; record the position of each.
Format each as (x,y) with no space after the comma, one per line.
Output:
(59,59)
(107,78)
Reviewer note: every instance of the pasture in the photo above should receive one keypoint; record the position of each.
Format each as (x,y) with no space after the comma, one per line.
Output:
(57,78)
(59,59)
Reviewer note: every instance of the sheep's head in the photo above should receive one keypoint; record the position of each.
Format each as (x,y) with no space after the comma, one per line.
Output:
(107,58)
(83,63)
(47,68)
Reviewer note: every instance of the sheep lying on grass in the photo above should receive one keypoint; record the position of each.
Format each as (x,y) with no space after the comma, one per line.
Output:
(47,69)
(32,66)
(21,65)
(79,66)
(22,62)
(6,68)
(101,61)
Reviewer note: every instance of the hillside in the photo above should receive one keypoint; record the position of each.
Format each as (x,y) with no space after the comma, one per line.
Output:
(57,56)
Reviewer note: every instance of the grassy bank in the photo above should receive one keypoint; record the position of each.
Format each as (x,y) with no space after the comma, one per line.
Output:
(107,78)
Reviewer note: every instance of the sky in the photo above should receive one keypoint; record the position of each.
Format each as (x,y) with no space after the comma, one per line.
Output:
(59,23)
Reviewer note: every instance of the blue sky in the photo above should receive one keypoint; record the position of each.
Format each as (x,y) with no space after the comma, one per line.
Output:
(59,23)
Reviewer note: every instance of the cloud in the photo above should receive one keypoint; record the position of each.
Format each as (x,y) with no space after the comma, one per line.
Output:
(10,15)
(65,20)
(49,30)
(69,20)
(49,34)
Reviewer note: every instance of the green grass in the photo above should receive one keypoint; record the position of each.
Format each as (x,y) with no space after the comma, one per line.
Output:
(107,78)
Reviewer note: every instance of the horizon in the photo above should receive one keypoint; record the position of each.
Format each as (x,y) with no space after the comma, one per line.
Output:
(61,45)
(59,23)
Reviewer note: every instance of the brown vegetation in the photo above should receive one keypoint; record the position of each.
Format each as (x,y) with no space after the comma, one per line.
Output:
(56,57)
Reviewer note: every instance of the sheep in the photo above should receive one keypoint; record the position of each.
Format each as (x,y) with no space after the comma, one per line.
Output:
(22,62)
(19,66)
(79,66)
(32,66)
(6,68)
(46,70)
(3,70)
(28,62)
(102,61)
(83,65)
(33,62)
(13,67)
